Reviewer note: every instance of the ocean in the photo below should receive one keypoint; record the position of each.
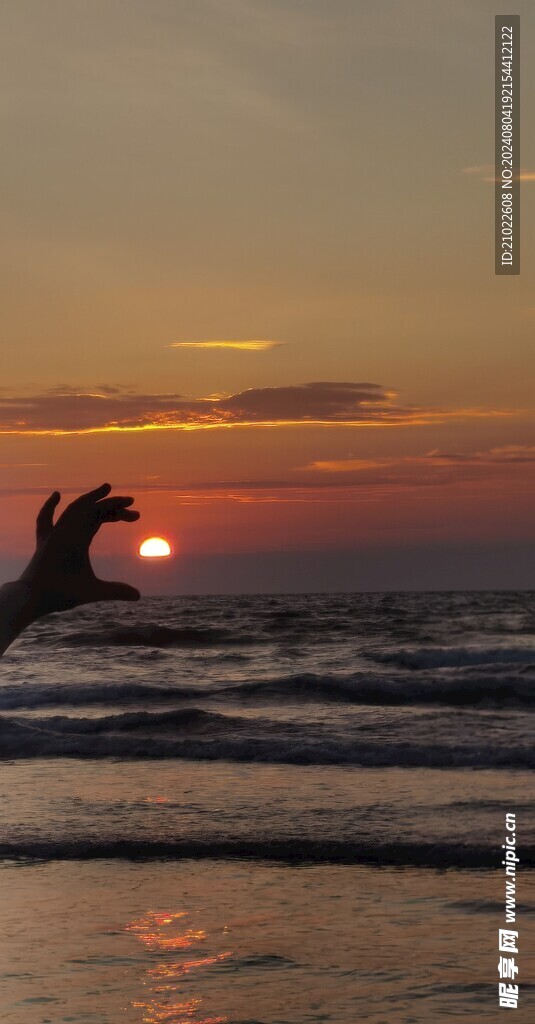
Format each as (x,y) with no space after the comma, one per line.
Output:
(267,810)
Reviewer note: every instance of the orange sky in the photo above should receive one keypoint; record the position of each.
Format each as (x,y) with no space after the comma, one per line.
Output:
(248,277)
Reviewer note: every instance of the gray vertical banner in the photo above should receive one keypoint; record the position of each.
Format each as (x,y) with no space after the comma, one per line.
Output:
(507,144)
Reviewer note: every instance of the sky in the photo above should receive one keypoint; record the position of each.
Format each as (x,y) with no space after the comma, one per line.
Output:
(248,277)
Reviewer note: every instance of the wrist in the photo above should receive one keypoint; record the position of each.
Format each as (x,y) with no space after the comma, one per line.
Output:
(17,610)
(20,603)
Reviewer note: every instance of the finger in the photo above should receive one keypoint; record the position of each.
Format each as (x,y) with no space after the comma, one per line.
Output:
(118,500)
(116,515)
(91,496)
(78,509)
(111,515)
(45,519)
(106,590)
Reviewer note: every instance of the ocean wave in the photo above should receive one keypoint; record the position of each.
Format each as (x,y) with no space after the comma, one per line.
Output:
(507,689)
(146,635)
(493,907)
(192,734)
(30,695)
(133,721)
(455,657)
(295,850)
(474,687)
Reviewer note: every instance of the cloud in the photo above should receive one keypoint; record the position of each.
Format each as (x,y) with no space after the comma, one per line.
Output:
(507,455)
(322,403)
(332,481)
(243,346)
(487,172)
(349,465)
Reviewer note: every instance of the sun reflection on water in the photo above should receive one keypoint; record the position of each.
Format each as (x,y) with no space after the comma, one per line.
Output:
(176,1013)
(164,1003)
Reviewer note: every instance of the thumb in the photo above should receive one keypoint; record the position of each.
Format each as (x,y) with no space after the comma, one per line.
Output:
(106,590)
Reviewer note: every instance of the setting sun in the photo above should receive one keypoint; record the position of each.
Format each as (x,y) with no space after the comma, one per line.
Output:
(155,547)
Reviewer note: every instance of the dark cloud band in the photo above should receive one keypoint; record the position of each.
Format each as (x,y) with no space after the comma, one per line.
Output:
(67,411)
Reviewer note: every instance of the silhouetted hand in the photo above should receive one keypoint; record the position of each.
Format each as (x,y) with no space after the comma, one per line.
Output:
(60,575)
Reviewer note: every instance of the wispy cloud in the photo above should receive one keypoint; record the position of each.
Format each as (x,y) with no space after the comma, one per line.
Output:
(348,465)
(511,453)
(321,403)
(486,172)
(243,346)
(330,481)
(506,455)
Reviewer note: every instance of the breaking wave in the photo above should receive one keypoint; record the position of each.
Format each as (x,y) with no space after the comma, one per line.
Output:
(299,850)
(194,734)
(485,687)
(396,690)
